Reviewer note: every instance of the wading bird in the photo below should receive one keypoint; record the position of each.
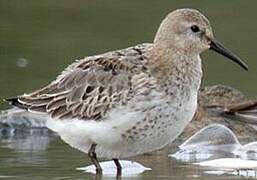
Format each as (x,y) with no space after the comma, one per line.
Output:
(130,101)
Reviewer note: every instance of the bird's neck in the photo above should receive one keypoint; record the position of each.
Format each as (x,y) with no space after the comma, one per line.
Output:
(174,67)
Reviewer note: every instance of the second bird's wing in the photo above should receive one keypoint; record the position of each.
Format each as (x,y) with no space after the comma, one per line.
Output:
(245,112)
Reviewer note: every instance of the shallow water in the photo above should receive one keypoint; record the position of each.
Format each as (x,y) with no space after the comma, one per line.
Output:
(59,161)
(37,153)
(40,38)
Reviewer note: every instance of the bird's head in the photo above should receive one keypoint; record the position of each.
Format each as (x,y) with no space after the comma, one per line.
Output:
(190,32)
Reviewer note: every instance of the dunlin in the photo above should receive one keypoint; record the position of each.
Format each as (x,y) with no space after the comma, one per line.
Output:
(130,101)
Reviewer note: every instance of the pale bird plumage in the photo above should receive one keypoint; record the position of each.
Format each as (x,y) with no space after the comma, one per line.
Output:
(129,101)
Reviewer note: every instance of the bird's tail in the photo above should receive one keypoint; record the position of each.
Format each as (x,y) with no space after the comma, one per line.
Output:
(15,102)
(18,116)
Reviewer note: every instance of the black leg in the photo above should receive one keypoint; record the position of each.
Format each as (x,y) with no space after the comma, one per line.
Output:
(117,163)
(92,155)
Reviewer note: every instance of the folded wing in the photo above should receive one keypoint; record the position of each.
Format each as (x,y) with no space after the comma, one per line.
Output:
(89,88)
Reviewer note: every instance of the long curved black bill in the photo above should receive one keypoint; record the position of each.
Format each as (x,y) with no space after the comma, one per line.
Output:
(219,48)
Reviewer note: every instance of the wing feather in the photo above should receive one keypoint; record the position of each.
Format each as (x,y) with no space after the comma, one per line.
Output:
(90,87)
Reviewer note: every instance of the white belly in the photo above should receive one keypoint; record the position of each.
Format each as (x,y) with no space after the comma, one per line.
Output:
(121,135)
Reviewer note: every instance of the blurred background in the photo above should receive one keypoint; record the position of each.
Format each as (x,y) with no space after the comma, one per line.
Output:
(38,39)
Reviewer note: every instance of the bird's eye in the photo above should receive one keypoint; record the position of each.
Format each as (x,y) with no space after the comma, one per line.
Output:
(195,28)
